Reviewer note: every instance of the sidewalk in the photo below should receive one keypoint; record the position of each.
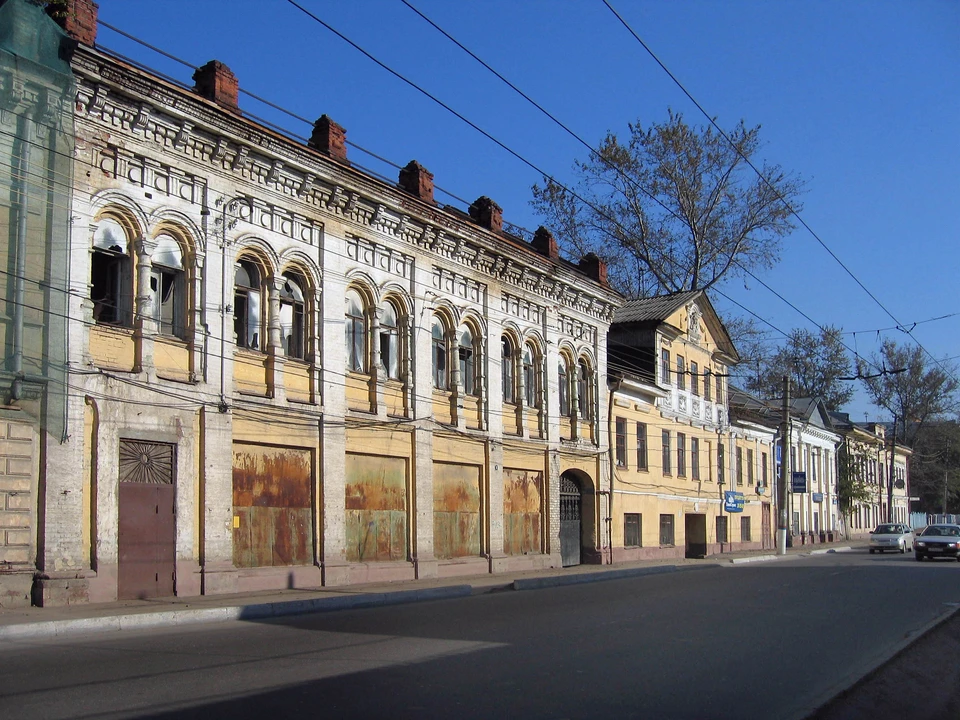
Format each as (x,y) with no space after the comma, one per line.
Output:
(172,611)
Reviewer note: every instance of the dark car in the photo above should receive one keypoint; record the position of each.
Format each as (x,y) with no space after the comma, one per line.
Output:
(938,541)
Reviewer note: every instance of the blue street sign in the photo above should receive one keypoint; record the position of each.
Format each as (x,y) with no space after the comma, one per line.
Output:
(818,497)
(799,484)
(733,501)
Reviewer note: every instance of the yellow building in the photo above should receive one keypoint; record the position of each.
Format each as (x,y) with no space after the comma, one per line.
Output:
(867,451)
(686,481)
(287,372)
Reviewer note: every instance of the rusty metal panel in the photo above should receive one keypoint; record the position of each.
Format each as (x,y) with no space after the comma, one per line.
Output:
(272,506)
(456,510)
(376,508)
(522,502)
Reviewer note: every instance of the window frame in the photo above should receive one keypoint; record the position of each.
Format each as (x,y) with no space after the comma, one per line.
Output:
(249,336)
(666,452)
(694,378)
(468,359)
(439,355)
(508,380)
(563,386)
(631,521)
(681,454)
(665,366)
(355,333)
(642,458)
(620,454)
(667,523)
(389,338)
(694,458)
(295,344)
(681,373)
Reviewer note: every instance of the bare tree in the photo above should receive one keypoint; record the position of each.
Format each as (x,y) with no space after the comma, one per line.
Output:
(674,207)
(908,387)
(816,363)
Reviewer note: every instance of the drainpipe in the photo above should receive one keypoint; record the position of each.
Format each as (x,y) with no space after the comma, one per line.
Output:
(610,451)
(23,165)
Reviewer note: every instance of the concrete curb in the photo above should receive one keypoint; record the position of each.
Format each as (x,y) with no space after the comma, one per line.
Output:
(260,611)
(847,683)
(560,580)
(756,558)
(845,548)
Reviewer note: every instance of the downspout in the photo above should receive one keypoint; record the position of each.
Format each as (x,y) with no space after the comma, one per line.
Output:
(23,164)
(613,470)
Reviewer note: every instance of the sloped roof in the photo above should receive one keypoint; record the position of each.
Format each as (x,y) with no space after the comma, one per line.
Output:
(658,309)
(655,308)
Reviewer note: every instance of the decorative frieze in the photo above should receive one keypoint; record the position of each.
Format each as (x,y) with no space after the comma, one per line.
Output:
(522,309)
(150,174)
(159,114)
(377,256)
(458,285)
(578,329)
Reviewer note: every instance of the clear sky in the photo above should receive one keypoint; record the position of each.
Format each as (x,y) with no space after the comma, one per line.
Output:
(861,99)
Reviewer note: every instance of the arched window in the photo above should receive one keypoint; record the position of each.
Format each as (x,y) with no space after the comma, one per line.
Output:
(564,387)
(531,386)
(468,363)
(439,340)
(167,286)
(389,341)
(111,279)
(248,305)
(292,316)
(506,366)
(356,332)
(583,391)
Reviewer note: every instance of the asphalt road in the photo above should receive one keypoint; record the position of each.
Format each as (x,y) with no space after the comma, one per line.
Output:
(764,640)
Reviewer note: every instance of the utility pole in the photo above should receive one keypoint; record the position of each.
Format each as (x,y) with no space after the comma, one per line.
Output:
(944,491)
(785,470)
(893,467)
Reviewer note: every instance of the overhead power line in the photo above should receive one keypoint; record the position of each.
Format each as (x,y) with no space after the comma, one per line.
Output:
(766,181)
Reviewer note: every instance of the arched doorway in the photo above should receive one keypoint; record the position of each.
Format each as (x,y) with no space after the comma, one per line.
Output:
(571,524)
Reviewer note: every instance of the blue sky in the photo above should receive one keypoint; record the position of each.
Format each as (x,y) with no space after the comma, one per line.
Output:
(861,99)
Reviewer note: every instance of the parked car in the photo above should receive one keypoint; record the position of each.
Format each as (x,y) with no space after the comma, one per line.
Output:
(938,541)
(891,536)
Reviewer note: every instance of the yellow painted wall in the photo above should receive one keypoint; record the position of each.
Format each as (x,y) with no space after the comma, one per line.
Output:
(172,359)
(250,373)
(112,348)
(298,381)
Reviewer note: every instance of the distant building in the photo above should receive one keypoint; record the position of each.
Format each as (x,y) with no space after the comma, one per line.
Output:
(868,451)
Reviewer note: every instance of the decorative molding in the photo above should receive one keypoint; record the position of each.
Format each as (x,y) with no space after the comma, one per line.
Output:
(459,285)
(378,256)
(187,124)
(522,309)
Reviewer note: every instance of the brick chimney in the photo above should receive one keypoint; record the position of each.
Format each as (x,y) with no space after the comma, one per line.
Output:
(216,82)
(78,18)
(487,213)
(545,244)
(593,266)
(329,138)
(417,180)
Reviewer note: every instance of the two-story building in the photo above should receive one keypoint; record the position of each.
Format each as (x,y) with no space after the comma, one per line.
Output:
(686,481)
(283,371)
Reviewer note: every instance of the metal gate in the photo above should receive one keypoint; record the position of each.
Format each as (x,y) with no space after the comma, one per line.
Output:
(146,540)
(570,527)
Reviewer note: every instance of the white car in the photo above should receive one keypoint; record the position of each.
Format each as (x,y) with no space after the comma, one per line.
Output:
(891,536)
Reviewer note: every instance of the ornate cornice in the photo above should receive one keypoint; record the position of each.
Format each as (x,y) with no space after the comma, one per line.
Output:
(124,99)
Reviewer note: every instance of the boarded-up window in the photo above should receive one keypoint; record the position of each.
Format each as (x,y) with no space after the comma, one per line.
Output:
(272,506)
(376,508)
(521,511)
(456,510)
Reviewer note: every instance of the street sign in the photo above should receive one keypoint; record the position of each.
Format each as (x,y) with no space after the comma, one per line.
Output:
(818,497)
(799,482)
(733,501)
